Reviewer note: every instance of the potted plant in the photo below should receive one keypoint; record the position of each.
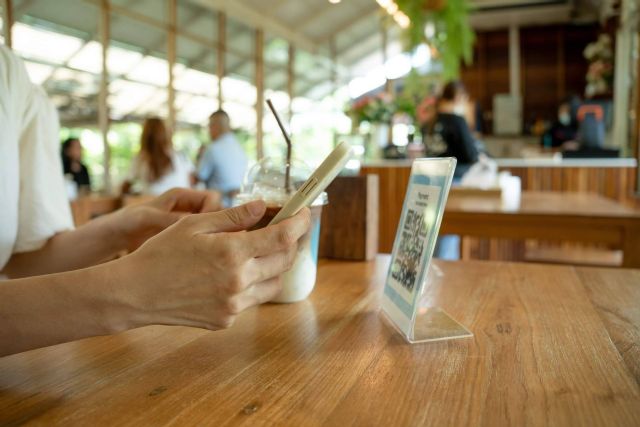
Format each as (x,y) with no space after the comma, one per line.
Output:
(444,25)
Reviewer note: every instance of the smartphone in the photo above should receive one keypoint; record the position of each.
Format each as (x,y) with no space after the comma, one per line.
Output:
(316,184)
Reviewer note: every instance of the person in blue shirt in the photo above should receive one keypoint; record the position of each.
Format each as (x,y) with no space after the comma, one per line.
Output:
(224,162)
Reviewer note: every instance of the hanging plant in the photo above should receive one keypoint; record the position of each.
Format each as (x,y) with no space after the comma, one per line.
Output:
(444,25)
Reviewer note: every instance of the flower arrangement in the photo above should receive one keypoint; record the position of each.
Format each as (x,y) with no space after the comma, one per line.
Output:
(600,72)
(372,109)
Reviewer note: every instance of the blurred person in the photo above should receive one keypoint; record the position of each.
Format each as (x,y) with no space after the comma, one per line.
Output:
(451,127)
(157,166)
(563,128)
(224,163)
(72,164)
(451,130)
(188,264)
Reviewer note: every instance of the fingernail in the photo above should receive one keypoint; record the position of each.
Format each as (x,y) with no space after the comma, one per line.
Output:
(255,208)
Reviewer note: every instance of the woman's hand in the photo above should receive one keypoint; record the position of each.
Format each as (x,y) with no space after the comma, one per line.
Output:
(204,270)
(134,224)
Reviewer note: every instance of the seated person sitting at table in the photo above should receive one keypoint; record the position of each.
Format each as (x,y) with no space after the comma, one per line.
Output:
(562,130)
(223,163)
(451,128)
(189,264)
(158,167)
(72,164)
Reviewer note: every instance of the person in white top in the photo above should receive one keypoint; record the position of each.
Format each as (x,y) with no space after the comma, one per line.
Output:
(186,269)
(158,167)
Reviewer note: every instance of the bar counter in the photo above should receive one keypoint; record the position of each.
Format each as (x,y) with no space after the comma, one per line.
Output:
(610,178)
(552,345)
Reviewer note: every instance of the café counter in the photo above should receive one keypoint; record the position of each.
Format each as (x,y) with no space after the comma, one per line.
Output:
(611,178)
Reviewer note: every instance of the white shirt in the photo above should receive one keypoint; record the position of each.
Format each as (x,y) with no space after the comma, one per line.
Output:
(33,201)
(178,176)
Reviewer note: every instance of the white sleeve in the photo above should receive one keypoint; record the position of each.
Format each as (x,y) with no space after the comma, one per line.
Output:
(43,208)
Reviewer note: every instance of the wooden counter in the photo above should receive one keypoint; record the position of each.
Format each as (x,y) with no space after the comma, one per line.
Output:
(611,178)
(547,216)
(553,345)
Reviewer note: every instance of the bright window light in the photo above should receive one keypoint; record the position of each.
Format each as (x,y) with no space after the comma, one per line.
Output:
(38,73)
(182,99)
(239,90)
(35,43)
(151,70)
(89,58)
(126,96)
(242,116)
(121,61)
(279,98)
(156,105)
(397,66)
(196,82)
(301,105)
(361,85)
(197,109)
(421,56)
(76,82)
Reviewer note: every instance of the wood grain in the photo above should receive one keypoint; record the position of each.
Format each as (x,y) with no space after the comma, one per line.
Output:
(553,345)
(614,183)
(349,228)
(86,208)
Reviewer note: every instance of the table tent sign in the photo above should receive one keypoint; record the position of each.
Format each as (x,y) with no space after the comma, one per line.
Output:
(404,300)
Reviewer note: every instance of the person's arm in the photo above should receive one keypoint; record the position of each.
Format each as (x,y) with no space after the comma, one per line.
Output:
(202,272)
(101,239)
(206,164)
(468,146)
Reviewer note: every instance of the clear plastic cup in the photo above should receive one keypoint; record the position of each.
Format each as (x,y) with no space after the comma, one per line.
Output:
(265,181)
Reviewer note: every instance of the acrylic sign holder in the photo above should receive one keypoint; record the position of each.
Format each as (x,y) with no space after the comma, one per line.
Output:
(405,302)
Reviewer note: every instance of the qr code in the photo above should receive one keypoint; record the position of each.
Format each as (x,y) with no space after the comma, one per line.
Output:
(410,250)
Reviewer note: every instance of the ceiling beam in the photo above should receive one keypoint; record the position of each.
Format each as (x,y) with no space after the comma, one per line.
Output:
(314,15)
(255,19)
(350,22)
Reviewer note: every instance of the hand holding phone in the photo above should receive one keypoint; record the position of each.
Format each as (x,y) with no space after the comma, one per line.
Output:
(316,184)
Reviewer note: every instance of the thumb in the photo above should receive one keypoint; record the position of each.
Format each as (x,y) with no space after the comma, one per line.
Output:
(233,219)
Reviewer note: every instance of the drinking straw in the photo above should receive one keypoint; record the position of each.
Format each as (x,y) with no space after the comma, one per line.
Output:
(287,174)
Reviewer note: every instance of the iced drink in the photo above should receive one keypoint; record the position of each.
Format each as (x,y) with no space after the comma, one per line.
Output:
(265,181)
(298,282)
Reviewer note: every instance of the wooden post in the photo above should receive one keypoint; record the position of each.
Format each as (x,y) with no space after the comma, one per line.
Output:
(8,22)
(561,73)
(291,77)
(387,83)
(220,54)
(333,52)
(171,61)
(514,61)
(103,107)
(384,31)
(636,148)
(259,58)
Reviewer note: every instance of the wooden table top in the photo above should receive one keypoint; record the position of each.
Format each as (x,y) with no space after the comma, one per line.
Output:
(553,345)
(546,203)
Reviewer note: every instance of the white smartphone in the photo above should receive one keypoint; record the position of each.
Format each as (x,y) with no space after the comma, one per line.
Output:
(316,184)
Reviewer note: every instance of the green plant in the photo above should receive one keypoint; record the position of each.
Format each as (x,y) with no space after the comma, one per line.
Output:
(452,36)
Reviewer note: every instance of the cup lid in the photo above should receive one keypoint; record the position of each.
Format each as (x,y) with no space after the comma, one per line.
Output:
(266,181)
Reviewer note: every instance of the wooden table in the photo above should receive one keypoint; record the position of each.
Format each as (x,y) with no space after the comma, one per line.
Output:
(572,217)
(553,345)
(611,178)
(85,208)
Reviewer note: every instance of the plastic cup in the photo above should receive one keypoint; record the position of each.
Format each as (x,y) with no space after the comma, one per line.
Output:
(263,183)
